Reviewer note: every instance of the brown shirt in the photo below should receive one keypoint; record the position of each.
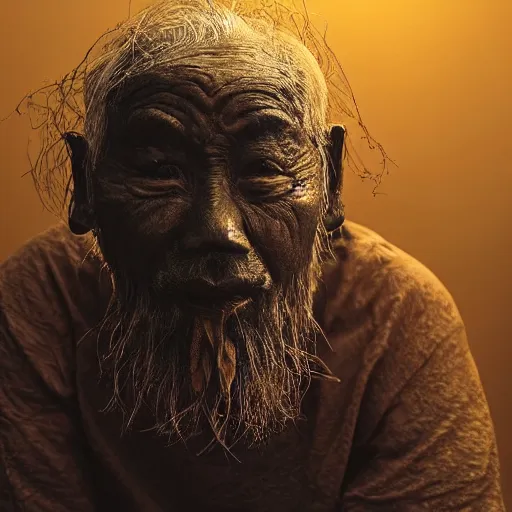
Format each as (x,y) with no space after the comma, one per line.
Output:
(408,428)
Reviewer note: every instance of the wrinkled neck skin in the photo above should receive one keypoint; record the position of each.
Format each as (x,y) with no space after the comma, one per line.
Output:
(221,222)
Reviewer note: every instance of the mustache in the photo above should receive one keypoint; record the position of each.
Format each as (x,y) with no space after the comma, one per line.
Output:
(213,269)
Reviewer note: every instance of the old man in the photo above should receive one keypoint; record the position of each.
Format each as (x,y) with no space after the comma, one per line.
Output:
(206,332)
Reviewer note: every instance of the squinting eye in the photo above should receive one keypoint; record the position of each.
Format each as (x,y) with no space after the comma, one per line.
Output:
(266,168)
(264,180)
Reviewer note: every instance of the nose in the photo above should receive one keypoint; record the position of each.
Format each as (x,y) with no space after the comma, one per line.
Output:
(206,241)
(216,226)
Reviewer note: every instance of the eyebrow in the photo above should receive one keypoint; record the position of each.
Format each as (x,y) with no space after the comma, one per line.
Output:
(158,124)
(256,125)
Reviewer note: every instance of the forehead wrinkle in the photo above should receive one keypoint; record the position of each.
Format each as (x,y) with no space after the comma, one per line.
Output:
(215,93)
(231,106)
(216,88)
(172,92)
(164,75)
(186,102)
(237,65)
(245,99)
(216,84)
(219,39)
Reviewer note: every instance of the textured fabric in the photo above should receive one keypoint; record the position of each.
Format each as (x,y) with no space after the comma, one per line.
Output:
(408,428)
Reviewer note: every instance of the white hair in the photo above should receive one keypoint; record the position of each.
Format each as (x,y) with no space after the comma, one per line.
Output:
(278,33)
(170,33)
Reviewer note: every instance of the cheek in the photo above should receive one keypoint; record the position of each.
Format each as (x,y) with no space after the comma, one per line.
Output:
(133,230)
(284,235)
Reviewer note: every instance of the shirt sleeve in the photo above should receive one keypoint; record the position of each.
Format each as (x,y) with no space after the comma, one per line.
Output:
(434,448)
(41,446)
(43,456)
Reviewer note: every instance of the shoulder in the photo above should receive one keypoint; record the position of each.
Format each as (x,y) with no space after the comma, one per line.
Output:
(370,274)
(56,243)
(46,269)
(49,292)
(385,316)
(416,405)
(384,304)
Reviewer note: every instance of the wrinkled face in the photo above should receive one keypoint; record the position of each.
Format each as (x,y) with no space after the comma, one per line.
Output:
(208,204)
(208,191)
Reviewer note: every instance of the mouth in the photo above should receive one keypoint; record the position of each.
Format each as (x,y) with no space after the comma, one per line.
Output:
(230,293)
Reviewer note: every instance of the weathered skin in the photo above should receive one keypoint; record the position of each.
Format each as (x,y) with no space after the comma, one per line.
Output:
(213,298)
(209,208)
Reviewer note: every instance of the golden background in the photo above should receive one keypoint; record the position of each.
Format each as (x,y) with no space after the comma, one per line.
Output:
(433,80)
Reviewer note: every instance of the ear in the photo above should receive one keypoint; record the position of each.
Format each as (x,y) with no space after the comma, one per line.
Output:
(335,216)
(80,213)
